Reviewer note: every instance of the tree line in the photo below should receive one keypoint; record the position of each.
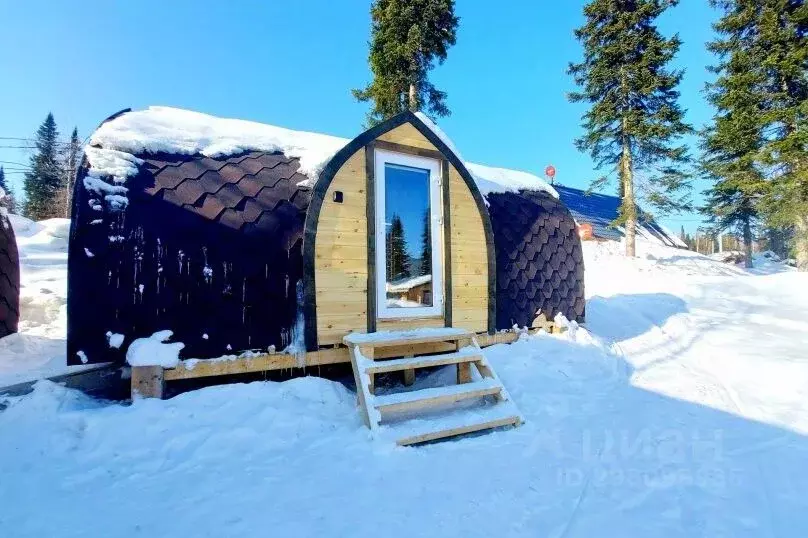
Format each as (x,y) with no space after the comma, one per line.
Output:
(754,152)
(49,176)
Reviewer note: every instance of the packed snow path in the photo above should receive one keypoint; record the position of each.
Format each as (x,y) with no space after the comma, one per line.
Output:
(682,411)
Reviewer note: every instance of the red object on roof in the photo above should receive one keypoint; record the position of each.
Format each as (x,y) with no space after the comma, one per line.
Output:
(550,171)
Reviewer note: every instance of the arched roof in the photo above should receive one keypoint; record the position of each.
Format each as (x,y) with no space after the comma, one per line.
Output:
(445,147)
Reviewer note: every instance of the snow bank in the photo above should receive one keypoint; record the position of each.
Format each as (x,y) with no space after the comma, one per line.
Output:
(172,130)
(155,351)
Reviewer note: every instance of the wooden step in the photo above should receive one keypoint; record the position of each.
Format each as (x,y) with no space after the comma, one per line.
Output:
(457,423)
(382,339)
(397,365)
(419,399)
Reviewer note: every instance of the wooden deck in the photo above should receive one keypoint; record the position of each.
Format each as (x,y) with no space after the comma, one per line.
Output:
(148,382)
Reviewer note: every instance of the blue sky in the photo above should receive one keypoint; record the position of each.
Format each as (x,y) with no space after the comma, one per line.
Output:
(293,63)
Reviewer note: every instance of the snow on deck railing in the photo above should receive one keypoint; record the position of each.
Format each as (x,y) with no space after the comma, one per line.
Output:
(160,129)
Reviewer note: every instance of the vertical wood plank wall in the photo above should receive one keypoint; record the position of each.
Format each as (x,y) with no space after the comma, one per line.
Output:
(341,255)
(469,258)
(341,277)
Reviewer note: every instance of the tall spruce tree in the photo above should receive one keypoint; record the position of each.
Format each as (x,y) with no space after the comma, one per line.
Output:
(6,196)
(782,36)
(71,164)
(43,182)
(426,246)
(732,143)
(398,260)
(407,38)
(634,123)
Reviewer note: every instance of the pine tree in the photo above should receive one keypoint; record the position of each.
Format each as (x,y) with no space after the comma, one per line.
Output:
(71,164)
(732,143)
(398,260)
(634,123)
(782,45)
(6,196)
(407,37)
(43,183)
(426,246)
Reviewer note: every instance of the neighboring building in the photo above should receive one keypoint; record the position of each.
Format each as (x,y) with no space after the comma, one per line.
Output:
(601,210)
(9,276)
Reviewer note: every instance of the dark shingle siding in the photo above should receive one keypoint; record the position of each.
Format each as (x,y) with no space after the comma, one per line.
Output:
(9,279)
(216,244)
(539,259)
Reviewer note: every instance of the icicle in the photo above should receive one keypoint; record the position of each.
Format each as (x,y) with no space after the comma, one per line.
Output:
(297,345)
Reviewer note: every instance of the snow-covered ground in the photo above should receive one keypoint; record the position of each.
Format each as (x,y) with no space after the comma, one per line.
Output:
(38,350)
(682,410)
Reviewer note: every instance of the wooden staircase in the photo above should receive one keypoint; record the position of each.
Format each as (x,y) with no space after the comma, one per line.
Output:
(453,346)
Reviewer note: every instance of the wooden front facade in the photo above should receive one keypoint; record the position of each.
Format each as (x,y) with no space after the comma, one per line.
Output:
(340,244)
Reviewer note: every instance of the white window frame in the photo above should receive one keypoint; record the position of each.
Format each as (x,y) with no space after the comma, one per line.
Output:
(383,157)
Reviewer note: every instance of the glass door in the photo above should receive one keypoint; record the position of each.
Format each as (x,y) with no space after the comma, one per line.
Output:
(408,236)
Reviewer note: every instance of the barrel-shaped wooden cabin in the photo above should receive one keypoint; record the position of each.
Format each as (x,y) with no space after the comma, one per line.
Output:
(243,237)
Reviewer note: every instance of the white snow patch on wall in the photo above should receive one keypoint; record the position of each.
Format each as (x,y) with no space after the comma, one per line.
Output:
(155,351)
(115,339)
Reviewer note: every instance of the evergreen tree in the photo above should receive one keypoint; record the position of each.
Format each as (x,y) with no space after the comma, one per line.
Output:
(71,165)
(426,246)
(6,196)
(407,37)
(782,36)
(733,142)
(44,182)
(634,122)
(398,260)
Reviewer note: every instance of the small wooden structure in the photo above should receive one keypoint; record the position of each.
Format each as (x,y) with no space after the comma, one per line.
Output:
(244,251)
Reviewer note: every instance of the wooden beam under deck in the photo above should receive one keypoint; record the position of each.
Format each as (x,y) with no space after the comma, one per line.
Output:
(283,361)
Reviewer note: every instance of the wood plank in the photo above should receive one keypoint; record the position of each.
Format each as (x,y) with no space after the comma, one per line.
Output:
(333,280)
(363,392)
(418,349)
(397,365)
(460,430)
(407,135)
(261,363)
(396,340)
(463,373)
(434,397)
(326,236)
(405,324)
(337,355)
(147,382)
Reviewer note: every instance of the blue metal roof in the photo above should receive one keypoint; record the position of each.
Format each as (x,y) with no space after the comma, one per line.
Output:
(600,210)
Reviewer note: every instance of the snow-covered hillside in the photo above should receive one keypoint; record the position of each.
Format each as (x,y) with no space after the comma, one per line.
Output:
(681,410)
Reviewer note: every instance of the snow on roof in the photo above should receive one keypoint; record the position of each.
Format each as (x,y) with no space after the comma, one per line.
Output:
(160,129)
(489,179)
(171,130)
(408,283)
